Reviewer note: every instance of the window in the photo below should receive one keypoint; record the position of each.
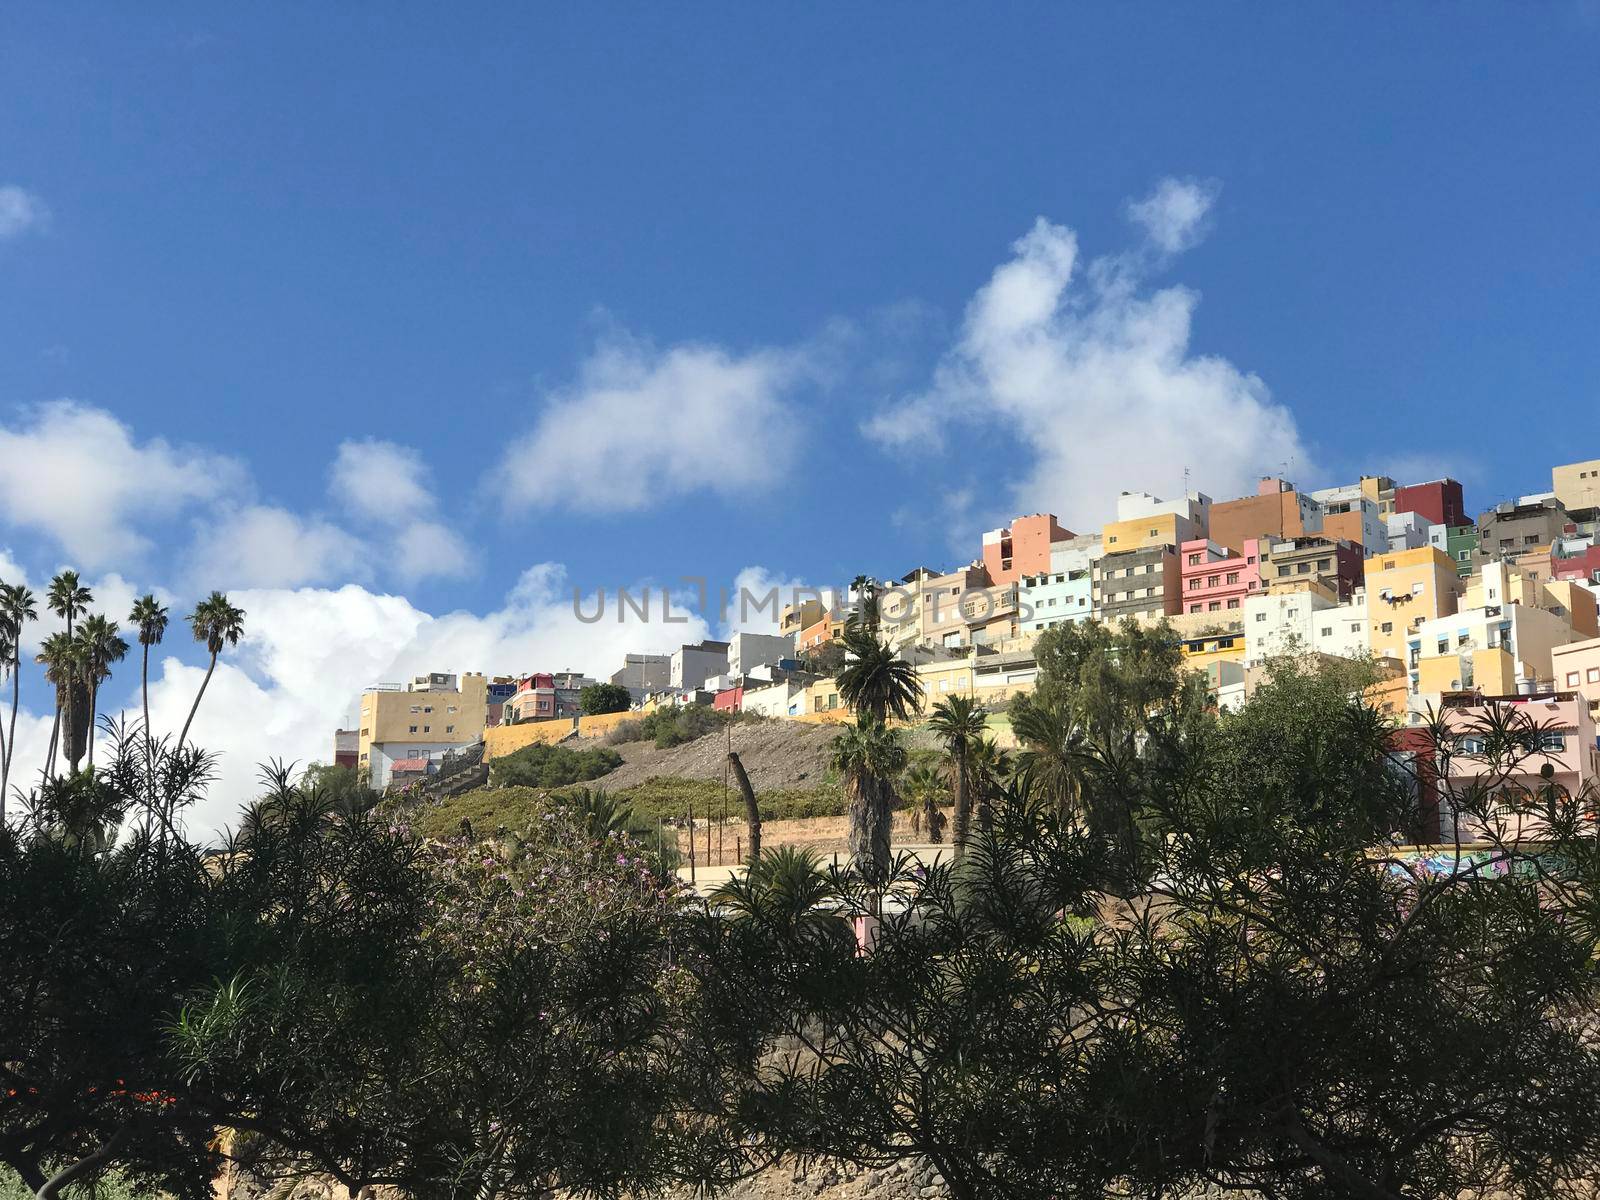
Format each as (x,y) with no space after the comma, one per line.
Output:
(1463,555)
(416,708)
(427,729)
(1327,631)
(1302,568)
(1214,606)
(1386,627)
(1194,585)
(449,728)
(1416,589)
(1261,616)
(1572,679)
(451,709)
(1233,577)
(1551,742)
(1112,539)
(1194,608)
(1194,560)
(1234,603)
(428,708)
(413,729)
(1282,571)
(1592,675)
(1471,745)
(1155,533)
(1323,564)
(1213,580)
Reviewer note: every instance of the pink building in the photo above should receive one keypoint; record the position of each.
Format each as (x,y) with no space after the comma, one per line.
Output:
(1583,566)
(1022,548)
(1215,579)
(1559,725)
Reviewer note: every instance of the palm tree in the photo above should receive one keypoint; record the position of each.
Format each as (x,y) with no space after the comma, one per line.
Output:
(217,623)
(17,608)
(865,588)
(926,787)
(1052,748)
(65,597)
(870,756)
(99,645)
(57,656)
(150,619)
(959,722)
(875,682)
(990,768)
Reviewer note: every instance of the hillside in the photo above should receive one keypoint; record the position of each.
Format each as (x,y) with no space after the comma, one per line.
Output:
(776,754)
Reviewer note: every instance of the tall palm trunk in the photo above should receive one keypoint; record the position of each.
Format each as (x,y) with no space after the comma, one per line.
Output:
(149,745)
(198,696)
(871,812)
(94,704)
(11,736)
(963,822)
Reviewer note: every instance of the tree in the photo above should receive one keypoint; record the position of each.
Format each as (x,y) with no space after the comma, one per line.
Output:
(958,722)
(926,786)
(217,623)
(869,755)
(597,698)
(345,789)
(65,597)
(17,608)
(826,659)
(876,682)
(1279,1005)
(752,810)
(103,929)
(865,589)
(496,1018)
(149,617)
(58,655)
(99,646)
(1052,747)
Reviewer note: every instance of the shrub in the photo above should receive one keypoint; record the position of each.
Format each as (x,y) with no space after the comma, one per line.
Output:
(551,766)
(668,727)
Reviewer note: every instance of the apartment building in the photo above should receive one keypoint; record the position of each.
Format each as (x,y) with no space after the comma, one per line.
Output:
(1411,531)
(1576,486)
(900,607)
(1438,501)
(1062,596)
(1355,512)
(1146,582)
(1022,548)
(347,747)
(643,673)
(1461,544)
(545,696)
(692,665)
(1335,563)
(1145,520)
(1576,668)
(962,607)
(1404,590)
(1275,511)
(747,651)
(793,618)
(1306,618)
(1514,527)
(431,715)
(1216,579)
(1560,724)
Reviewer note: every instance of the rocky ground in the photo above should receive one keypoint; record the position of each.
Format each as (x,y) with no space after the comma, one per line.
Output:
(776,754)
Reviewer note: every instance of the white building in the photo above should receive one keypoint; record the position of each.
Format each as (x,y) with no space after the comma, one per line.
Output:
(1500,649)
(1308,620)
(786,698)
(747,651)
(1350,498)
(693,665)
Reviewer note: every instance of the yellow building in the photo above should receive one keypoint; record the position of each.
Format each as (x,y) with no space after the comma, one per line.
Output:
(1577,485)
(1406,588)
(429,716)
(944,678)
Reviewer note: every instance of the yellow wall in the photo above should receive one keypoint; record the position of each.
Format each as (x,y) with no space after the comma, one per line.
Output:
(1400,572)
(1135,534)
(504,739)
(954,674)
(1579,603)
(387,716)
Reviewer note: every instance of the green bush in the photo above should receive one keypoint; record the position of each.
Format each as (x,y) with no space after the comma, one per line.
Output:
(668,727)
(552,766)
(669,797)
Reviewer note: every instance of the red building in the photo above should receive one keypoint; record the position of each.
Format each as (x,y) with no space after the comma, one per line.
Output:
(729,699)
(1583,567)
(1438,500)
(1217,580)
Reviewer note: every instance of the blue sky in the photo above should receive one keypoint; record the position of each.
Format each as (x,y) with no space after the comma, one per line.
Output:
(636,292)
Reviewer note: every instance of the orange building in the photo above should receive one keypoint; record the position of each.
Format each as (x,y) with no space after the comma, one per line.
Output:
(1276,511)
(1023,548)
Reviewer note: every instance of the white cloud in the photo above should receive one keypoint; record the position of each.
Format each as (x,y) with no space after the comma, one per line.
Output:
(387,486)
(1174,214)
(77,474)
(1097,381)
(757,598)
(20,212)
(642,426)
(381,481)
(262,546)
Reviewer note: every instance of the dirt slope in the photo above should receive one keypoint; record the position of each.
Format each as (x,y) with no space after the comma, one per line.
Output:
(776,754)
